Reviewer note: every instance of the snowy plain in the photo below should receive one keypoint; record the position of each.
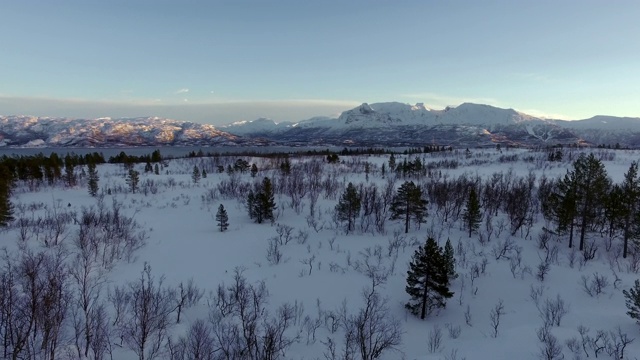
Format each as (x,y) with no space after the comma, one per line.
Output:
(184,242)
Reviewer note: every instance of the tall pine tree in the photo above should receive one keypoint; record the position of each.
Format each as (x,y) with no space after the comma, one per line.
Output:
(195,174)
(428,279)
(408,203)
(132,180)
(349,206)
(472,215)
(261,203)
(592,187)
(629,204)
(92,182)
(6,207)
(222,218)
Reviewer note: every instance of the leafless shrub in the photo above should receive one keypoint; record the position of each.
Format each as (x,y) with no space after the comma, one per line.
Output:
(274,254)
(241,325)
(504,249)
(553,311)
(186,296)
(551,348)
(196,344)
(454,330)
(467,316)
(285,234)
(494,316)
(373,330)
(453,355)
(618,343)
(434,341)
(595,285)
(145,321)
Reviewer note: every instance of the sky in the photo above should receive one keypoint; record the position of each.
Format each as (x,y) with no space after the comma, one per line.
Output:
(217,62)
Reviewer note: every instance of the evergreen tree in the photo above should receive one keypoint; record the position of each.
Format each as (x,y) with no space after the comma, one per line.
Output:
(261,203)
(254,170)
(632,300)
(629,204)
(450,260)
(592,187)
(392,163)
(92,183)
(204,173)
(614,209)
(266,202)
(222,218)
(156,169)
(349,206)
(409,203)
(132,180)
(428,279)
(195,175)
(147,167)
(6,207)
(560,205)
(472,215)
(251,207)
(285,167)
(69,174)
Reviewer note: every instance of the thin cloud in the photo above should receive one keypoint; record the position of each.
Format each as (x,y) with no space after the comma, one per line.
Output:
(213,112)
(434,99)
(182,91)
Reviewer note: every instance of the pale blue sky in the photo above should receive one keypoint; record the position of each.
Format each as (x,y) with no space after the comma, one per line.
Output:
(222,61)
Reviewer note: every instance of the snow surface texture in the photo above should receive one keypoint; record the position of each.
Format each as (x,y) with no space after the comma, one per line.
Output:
(185,243)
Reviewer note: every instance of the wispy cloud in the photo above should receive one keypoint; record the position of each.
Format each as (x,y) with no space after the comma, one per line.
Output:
(215,112)
(182,91)
(439,100)
(545,115)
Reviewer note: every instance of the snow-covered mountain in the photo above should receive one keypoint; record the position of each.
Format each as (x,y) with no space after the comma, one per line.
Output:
(394,123)
(379,124)
(107,132)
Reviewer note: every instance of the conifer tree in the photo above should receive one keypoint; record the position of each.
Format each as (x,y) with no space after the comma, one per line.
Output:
(392,163)
(266,200)
(195,175)
(632,301)
(450,260)
(251,207)
(254,170)
(222,218)
(629,204)
(472,215)
(204,173)
(285,167)
(156,169)
(560,206)
(6,207)
(349,206)
(408,203)
(132,180)
(428,279)
(592,187)
(261,203)
(69,174)
(92,183)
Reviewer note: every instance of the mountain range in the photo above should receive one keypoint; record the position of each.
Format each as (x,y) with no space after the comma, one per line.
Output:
(380,124)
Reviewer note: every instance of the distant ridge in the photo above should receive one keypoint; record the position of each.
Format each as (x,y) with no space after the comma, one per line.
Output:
(378,124)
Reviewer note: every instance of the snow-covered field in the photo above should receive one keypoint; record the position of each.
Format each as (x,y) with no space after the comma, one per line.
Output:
(323,272)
